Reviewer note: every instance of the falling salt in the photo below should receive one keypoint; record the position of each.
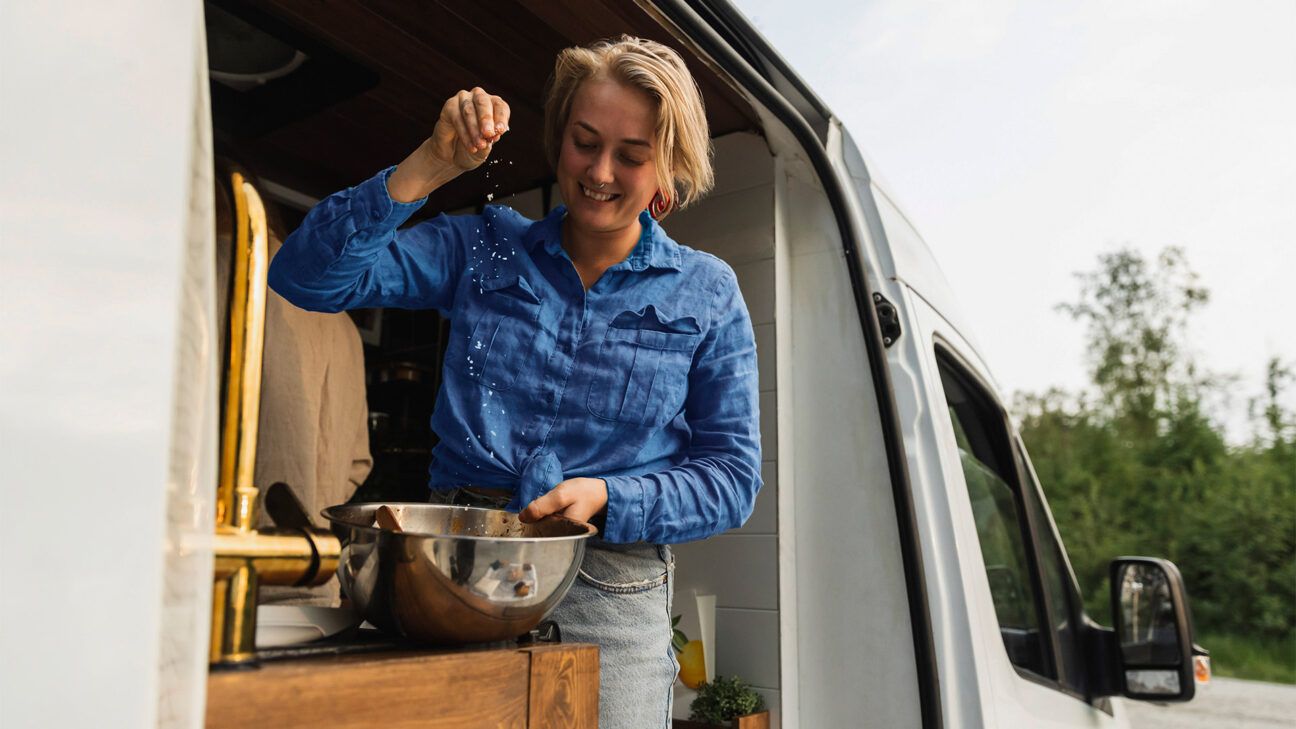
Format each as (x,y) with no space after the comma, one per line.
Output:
(490,196)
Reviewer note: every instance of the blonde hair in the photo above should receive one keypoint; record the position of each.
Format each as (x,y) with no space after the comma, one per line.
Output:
(683,143)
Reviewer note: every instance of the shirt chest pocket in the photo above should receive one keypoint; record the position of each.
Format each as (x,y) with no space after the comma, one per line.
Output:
(501,316)
(643,367)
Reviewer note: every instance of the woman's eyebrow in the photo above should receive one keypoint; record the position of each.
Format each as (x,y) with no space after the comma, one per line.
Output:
(592,130)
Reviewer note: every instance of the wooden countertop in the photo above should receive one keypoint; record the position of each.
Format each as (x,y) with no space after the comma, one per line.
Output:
(544,685)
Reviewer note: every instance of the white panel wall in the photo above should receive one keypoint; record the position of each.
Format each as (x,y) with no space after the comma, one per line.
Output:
(736,223)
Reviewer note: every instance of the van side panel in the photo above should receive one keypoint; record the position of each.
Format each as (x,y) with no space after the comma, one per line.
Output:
(107,403)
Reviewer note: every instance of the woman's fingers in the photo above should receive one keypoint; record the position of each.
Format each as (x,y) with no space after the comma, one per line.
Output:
(468,112)
(576,498)
(502,113)
(470,124)
(480,118)
(453,115)
(550,503)
(485,108)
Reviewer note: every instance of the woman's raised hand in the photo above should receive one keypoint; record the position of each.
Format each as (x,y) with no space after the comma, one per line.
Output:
(470,124)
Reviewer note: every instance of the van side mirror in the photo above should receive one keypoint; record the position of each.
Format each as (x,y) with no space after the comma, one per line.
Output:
(1154,641)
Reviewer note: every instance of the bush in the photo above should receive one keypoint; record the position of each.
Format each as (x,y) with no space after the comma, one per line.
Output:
(725,699)
(1249,657)
(1137,464)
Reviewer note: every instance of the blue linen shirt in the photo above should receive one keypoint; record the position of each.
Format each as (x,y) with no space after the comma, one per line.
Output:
(647,380)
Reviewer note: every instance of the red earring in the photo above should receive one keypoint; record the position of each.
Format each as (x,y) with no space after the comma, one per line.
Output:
(660,205)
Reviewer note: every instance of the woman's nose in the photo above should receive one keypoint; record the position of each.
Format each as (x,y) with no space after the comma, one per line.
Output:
(600,170)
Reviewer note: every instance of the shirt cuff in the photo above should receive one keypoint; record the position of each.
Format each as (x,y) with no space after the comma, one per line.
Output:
(373,207)
(625,510)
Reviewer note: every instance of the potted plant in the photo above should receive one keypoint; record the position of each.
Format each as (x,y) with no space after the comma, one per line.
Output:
(726,702)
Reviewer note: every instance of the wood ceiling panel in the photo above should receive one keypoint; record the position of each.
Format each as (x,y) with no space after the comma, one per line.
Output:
(407,63)
(584,21)
(514,64)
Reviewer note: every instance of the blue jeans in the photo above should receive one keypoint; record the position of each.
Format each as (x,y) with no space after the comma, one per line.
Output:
(621,601)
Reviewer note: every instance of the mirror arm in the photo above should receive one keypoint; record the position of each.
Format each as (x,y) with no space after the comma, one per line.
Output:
(1102,660)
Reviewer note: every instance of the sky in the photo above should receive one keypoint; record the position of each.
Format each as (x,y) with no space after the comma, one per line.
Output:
(1026,138)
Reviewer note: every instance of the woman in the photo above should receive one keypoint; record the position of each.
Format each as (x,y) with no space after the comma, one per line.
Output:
(596,368)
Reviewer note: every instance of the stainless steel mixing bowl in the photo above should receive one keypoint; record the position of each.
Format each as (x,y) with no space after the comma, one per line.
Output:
(456,574)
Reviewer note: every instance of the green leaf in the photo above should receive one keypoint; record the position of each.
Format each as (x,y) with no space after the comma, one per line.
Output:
(724,699)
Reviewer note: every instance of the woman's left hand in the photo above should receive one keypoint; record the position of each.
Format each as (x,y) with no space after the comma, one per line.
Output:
(578,499)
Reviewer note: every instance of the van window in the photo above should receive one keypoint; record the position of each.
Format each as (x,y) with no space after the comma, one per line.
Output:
(1063,598)
(997,509)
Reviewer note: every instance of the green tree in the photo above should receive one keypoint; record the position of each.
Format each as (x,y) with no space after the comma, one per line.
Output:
(1137,464)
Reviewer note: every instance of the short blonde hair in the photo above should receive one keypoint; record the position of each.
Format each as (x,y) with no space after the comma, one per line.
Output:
(683,143)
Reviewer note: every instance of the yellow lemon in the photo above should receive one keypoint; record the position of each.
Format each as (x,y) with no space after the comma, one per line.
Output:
(692,664)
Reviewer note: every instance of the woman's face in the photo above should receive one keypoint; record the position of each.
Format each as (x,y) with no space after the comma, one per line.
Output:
(608,141)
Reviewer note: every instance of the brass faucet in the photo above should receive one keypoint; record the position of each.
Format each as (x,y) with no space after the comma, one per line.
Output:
(293,552)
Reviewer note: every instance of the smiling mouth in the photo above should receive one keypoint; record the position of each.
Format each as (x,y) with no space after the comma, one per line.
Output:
(597,196)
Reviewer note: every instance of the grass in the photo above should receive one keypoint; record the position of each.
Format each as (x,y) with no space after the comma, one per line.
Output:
(1251,658)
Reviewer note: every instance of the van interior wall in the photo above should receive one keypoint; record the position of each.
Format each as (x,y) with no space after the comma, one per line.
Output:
(736,223)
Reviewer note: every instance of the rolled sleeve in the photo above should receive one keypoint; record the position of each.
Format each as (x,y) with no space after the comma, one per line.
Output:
(348,253)
(625,509)
(372,202)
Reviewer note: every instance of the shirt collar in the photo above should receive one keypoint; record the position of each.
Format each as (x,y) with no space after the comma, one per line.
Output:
(655,249)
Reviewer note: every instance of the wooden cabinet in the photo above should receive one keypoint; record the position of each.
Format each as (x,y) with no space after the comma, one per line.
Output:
(553,685)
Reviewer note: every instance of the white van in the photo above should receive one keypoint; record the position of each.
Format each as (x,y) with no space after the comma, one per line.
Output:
(901,568)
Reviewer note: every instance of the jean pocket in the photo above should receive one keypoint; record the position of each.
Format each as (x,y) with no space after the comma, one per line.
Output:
(643,367)
(504,313)
(624,572)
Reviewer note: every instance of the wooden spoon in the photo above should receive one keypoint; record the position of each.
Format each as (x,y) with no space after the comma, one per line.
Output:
(387,519)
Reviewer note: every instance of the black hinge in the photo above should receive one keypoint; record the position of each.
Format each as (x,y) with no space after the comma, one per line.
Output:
(888,319)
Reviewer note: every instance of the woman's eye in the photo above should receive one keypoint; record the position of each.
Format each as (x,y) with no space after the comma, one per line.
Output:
(633,161)
(580,145)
